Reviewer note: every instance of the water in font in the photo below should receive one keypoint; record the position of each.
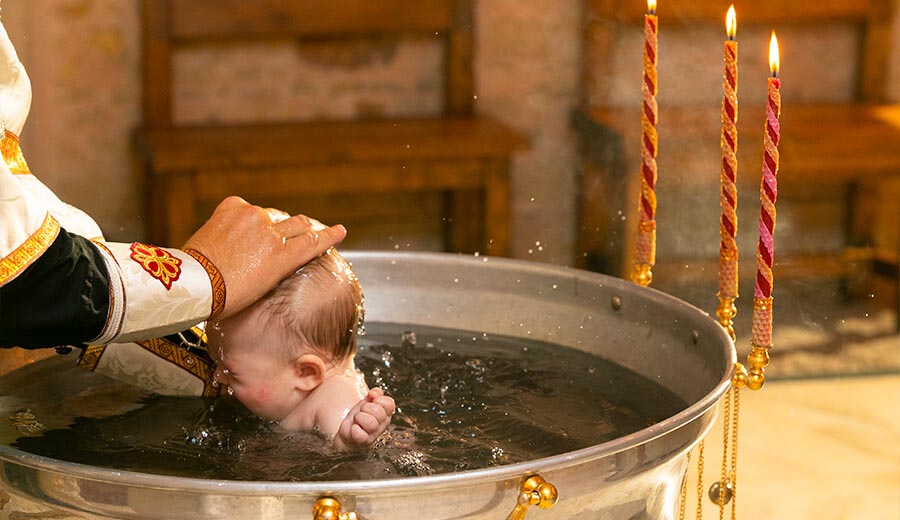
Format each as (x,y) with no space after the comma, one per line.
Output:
(465,401)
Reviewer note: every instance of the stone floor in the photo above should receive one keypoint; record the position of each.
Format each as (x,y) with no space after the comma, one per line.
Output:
(824,449)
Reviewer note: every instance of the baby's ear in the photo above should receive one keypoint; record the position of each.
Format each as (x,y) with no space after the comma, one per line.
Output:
(309,372)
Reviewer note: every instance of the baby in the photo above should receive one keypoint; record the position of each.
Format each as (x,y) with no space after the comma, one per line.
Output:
(289,357)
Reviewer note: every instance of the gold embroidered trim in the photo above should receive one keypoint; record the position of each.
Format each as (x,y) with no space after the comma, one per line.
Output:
(215,279)
(90,357)
(197,366)
(12,154)
(180,357)
(14,263)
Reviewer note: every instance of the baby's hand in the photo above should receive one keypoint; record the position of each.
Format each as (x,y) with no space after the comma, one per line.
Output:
(365,422)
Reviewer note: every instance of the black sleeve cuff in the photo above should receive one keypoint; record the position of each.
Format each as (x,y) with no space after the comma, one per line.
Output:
(61,299)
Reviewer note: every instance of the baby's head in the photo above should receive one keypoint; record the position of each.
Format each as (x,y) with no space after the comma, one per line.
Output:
(318,308)
(282,347)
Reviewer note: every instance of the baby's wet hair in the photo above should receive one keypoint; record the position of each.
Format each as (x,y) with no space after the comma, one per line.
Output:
(320,306)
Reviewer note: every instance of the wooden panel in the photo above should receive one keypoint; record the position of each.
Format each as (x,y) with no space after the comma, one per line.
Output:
(156,66)
(873,80)
(460,60)
(817,143)
(349,178)
(202,19)
(762,11)
(849,263)
(331,143)
(180,208)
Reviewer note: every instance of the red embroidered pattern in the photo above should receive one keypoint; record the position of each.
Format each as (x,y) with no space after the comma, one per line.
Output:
(161,264)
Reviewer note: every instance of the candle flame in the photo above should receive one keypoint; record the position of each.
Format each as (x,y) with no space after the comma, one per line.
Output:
(651,6)
(731,23)
(774,61)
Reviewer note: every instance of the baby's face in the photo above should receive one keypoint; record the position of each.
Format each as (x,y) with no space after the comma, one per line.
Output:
(242,348)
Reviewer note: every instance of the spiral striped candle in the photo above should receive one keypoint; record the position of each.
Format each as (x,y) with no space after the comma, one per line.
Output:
(646,239)
(728,251)
(765,251)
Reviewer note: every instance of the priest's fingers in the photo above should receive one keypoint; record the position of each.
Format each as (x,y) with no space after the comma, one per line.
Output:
(253,253)
(315,242)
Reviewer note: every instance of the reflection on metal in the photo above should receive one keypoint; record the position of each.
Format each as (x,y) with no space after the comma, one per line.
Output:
(635,476)
(726,312)
(328,508)
(616,302)
(642,274)
(535,491)
(26,423)
(758,359)
(715,492)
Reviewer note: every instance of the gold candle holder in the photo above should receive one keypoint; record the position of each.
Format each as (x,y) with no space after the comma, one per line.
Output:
(726,312)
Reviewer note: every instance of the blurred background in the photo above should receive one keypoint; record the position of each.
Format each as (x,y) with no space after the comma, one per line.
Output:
(512,128)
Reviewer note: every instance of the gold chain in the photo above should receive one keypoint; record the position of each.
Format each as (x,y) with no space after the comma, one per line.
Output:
(726,433)
(700,481)
(682,505)
(734,450)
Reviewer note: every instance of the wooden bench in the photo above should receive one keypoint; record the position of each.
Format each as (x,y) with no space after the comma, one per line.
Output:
(854,143)
(456,152)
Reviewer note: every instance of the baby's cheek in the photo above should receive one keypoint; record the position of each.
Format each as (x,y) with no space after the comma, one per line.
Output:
(262,393)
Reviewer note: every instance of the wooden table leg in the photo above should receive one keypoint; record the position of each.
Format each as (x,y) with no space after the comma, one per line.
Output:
(496,209)
(179,207)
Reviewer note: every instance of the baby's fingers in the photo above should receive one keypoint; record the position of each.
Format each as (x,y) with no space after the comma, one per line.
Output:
(374,394)
(371,421)
(359,435)
(386,403)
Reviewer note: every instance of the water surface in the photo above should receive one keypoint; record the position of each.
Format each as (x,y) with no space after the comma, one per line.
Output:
(465,401)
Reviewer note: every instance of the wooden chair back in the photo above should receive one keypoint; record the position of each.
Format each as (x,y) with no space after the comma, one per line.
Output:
(173,24)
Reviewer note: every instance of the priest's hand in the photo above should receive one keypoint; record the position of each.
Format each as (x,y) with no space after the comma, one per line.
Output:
(255,248)
(15,87)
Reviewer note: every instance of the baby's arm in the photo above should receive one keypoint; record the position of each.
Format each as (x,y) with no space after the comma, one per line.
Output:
(365,422)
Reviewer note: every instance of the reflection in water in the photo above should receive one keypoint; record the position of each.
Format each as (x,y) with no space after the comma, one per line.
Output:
(465,401)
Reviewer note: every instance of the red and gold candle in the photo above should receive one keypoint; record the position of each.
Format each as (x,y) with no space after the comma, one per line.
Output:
(765,251)
(646,239)
(728,251)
